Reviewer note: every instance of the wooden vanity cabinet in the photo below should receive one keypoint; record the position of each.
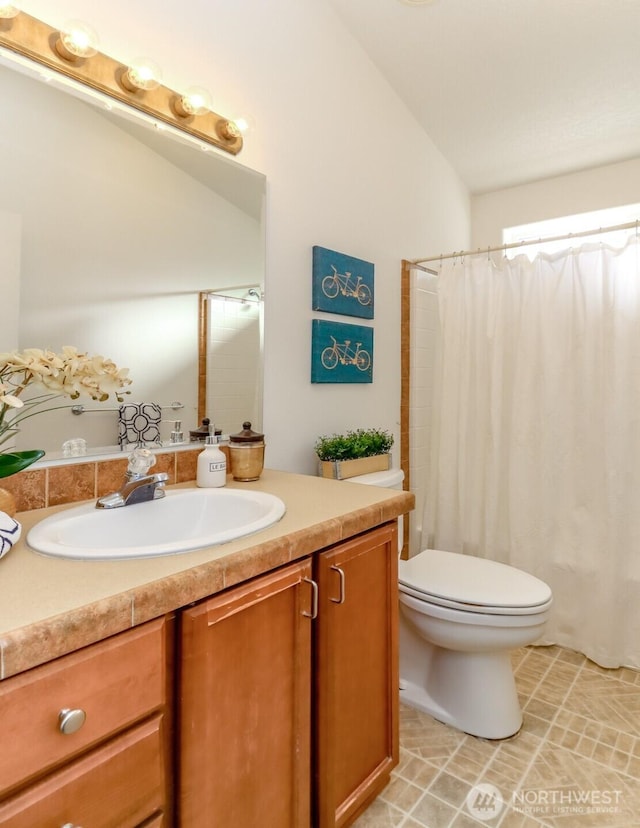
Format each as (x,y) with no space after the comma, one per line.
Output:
(245,705)
(356,675)
(286,708)
(87,737)
(289,692)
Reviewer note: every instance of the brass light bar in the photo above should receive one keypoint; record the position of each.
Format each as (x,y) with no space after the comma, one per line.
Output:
(36,40)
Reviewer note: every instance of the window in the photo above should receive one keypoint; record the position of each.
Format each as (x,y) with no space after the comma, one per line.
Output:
(564,225)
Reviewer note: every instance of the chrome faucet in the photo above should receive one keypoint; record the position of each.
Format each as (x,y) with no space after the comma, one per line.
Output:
(139,486)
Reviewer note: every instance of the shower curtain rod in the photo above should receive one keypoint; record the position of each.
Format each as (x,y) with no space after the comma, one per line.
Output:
(628,226)
(215,291)
(242,299)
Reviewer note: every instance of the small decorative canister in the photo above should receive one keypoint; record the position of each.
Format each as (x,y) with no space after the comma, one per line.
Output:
(10,531)
(246,451)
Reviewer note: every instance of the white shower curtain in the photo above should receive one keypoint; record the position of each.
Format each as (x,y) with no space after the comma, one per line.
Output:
(536,435)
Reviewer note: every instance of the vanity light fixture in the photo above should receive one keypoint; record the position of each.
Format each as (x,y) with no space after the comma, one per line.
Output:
(229,129)
(195,101)
(8,10)
(243,124)
(66,51)
(236,127)
(76,40)
(143,74)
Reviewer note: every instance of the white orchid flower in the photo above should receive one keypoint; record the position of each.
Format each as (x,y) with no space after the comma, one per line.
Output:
(70,374)
(11,400)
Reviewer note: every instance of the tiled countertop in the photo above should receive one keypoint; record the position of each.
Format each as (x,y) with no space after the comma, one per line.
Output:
(51,606)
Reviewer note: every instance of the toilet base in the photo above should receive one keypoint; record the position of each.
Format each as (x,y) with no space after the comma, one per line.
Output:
(473,692)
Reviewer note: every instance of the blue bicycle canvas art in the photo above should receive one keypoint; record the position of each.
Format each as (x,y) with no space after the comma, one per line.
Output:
(342,284)
(340,352)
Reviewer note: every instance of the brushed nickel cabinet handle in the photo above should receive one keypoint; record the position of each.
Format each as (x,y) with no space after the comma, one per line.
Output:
(71,720)
(340,572)
(314,599)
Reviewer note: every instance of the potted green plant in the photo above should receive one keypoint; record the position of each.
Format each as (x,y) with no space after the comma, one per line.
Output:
(362,451)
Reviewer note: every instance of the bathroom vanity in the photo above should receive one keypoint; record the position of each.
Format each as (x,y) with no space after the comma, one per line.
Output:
(245,684)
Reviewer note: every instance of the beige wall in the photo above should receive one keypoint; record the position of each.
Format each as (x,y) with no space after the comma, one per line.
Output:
(610,186)
(10,232)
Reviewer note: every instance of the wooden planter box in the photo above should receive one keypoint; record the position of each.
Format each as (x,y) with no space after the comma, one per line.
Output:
(343,469)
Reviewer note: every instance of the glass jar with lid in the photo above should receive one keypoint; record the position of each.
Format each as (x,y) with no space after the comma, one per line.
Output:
(246,452)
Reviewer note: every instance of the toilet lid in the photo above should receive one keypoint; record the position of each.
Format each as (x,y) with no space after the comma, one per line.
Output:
(389,479)
(470,583)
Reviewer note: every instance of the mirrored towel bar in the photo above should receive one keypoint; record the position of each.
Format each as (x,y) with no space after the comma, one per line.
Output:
(81,409)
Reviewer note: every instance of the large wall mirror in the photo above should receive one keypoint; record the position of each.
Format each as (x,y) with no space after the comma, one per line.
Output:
(111,229)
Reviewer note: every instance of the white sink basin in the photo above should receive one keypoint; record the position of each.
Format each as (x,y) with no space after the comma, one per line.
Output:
(183,520)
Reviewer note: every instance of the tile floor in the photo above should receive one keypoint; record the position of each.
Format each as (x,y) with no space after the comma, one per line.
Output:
(574,764)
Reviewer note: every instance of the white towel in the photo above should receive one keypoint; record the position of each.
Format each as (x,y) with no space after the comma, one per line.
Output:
(10,531)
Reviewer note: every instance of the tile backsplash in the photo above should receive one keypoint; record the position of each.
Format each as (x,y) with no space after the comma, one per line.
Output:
(73,482)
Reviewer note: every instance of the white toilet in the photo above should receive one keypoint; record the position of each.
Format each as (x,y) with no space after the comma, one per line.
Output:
(460,616)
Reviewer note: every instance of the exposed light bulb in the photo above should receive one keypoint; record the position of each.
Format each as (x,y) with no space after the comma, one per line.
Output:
(76,40)
(142,74)
(245,123)
(235,128)
(195,101)
(228,130)
(8,10)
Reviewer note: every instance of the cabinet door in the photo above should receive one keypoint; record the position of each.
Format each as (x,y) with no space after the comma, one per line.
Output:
(245,719)
(356,674)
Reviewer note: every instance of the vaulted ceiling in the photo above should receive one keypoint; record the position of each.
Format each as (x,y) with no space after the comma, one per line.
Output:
(511,90)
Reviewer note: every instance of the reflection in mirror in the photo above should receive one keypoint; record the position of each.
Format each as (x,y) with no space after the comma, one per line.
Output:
(231,334)
(110,228)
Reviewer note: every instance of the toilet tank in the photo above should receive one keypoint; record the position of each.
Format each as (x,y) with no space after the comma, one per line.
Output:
(389,479)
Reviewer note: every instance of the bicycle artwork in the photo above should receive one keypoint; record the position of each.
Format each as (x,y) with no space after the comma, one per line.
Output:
(341,353)
(346,285)
(342,284)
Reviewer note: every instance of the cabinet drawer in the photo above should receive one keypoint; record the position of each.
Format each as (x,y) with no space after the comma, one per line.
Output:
(119,785)
(115,683)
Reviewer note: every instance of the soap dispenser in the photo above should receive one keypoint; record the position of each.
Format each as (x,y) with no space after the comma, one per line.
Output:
(212,465)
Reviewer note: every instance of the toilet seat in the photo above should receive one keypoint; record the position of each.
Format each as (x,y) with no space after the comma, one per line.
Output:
(470,584)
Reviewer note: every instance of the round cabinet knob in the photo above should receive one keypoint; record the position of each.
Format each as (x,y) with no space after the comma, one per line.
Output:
(70,825)
(69,721)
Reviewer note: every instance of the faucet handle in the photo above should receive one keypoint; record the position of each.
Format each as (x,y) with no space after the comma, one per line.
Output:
(140,461)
